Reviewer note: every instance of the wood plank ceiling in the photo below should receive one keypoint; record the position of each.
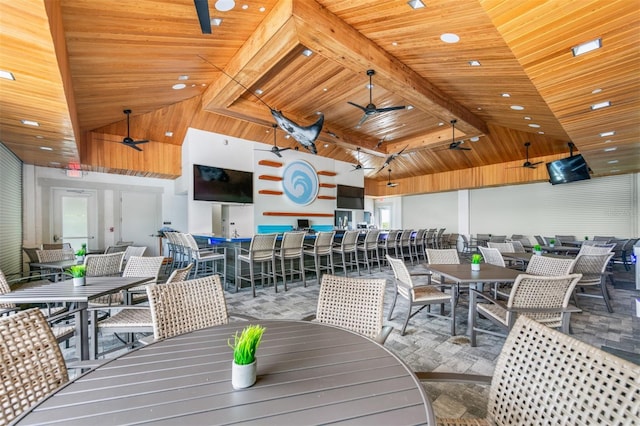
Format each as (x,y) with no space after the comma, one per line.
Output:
(79,63)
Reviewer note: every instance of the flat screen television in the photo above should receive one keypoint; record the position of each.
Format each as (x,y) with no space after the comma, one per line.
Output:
(567,170)
(222,185)
(350,197)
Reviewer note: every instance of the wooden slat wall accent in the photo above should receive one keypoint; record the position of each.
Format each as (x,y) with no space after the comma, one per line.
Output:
(326,173)
(269,163)
(478,177)
(297,214)
(326,197)
(269,177)
(269,192)
(327,185)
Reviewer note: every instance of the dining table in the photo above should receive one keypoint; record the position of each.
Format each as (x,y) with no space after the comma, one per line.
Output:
(58,267)
(64,292)
(567,250)
(307,373)
(526,257)
(462,274)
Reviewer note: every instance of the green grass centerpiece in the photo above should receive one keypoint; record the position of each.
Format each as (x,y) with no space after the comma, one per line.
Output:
(77,271)
(82,251)
(245,366)
(476,259)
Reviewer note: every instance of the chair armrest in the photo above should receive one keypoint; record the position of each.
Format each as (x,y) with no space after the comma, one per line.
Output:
(434,376)
(487,298)
(568,309)
(309,317)
(384,333)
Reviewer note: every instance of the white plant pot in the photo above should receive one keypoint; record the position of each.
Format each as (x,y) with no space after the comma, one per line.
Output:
(552,245)
(79,282)
(243,376)
(475,266)
(80,259)
(538,253)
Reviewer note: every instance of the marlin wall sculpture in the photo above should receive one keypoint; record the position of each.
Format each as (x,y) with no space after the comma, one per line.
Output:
(306,136)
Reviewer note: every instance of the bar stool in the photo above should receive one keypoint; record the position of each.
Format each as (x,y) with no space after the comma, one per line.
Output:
(291,249)
(262,252)
(369,249)
(404,245)
(322,248)
(348,251)
(207,259)
(388,245)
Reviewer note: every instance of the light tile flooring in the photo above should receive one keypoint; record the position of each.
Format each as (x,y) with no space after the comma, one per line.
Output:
(428,346)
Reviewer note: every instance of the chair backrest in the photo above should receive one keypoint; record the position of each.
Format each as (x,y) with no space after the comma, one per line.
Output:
(537,291)
(32,364)
(549,266)
(57,246)
(419,237)
(141,266)
(100,265)
(443,256)
(565,238)
(133,251)
(405,237)
(349,241)
(518,247)
(184,306)
(115,249)
(55,255)
(492,256)
(535,357)
(540,240)
(292,242)
(497,238)
(502,247)
(371,239)
(601,238)
(596,248)
(32,253)
(401,275)
(356,304)
(262,246)
(4,289)
(591,265)
(180,274)
(323,243)
(392,238)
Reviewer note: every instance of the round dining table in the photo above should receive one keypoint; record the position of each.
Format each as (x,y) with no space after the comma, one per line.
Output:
(308,373)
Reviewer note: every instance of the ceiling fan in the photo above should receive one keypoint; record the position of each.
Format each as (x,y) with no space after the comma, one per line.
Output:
(391,158)
(359,166)
(371,109)
(202,9)
(128,141)
(389,183)
(528,164)
(275,148)
(456,146)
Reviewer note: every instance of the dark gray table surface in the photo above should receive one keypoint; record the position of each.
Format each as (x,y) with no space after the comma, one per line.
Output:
(462,273)
(308,373)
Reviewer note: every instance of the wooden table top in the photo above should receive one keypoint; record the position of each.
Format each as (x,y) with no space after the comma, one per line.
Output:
(308,373)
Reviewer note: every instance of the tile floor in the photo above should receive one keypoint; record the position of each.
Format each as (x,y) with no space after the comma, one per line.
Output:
(427,345)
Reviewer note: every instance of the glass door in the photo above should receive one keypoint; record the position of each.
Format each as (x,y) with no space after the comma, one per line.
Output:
(74,217)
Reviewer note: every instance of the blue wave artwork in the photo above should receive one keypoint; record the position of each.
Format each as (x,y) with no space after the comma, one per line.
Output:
(300,182)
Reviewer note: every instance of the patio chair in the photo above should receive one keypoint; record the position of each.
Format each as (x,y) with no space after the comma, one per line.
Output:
(543,298)
(595,248)
(356,304)
(206,261)
(261,252)
(593,268)
(503,247)
(55,255)
(418,244)
(403,248)
(132,251)
(348,252)
(32,364)
(184,306)
(387,244)
(549,266)
(322,248)
(291,250)
(543,376)
(422,295)
(442,256)
(138,266)
(369,250)
(102,265)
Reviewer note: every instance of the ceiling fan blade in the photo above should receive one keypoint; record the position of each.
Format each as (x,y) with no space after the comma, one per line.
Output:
(539,162)
(395,108)
(132,146)
(202,9)
(392,184)
(358,106)
(463,149)
(363,119)
(282,149)
(140,141)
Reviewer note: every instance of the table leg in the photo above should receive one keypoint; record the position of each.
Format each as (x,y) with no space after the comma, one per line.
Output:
(82,332)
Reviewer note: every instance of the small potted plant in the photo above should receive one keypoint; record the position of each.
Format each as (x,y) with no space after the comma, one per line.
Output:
(552,242)
(475,261)
(78,272)
(245,364)
(537,249)
(80,254)
(586,238)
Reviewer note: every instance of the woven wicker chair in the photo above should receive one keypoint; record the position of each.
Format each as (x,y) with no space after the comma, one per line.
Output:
(593,268)
(55,255)
(502,247)
(115,248)
(292,250)
(493,256)
(137,267)
(544,298)
(356,304)
(369,250)
(348,251)
(543,376)
(31,364)
(261,252)
(101,265)
(423,295)
(595,248)
(57,246)
(184,306)
(132,251)
(549,266)
(322,248)
(518,246)
(441,257)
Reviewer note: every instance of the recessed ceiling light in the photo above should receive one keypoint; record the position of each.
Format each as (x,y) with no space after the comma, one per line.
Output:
(30,123)
(262,9)
(46,148)
(610,149)
(605,134)
(505,95)
(216,22)
(259,92)
(614,170)
(608,141)
(450,38)
(168,134)
(183,77)
(600,105)
(326,145)
(307,52)
(39,137)
(541,133)
(395,43)
(409,106)
(596,91)
(7,75)
(225,5)
(534,125)
(612,161)
(517,107)
(245,6)
(526,117)
(474,63)
(178,86)
(474,139)
(415,4)
(586,47)
(325,89)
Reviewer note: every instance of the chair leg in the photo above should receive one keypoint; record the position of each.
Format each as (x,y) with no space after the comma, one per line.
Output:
(393,305)
(406,321)
(605,295)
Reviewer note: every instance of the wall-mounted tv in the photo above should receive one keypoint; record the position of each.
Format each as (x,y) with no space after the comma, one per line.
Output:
(222,185)
(350,197)
(567,170)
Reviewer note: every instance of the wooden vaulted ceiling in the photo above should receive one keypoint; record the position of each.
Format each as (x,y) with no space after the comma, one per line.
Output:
(79,63)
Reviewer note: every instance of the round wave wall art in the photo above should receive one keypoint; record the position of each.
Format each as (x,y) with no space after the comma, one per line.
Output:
(300,182)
